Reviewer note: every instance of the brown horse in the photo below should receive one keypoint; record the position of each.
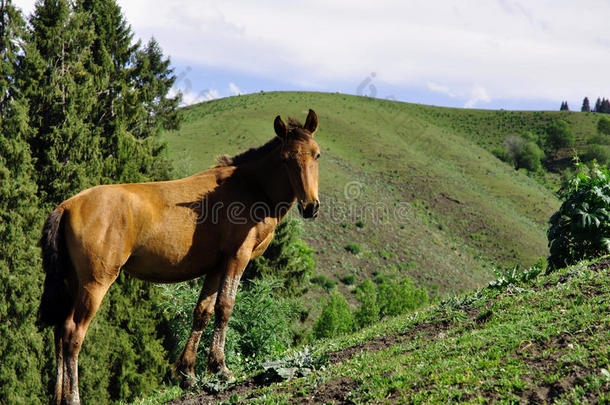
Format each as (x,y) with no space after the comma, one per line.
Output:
(211,224)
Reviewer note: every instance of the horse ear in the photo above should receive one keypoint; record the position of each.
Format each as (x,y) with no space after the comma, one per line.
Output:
(280,128)
(311,123)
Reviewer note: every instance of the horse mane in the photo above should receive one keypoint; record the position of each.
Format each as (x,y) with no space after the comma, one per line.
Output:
(295,129)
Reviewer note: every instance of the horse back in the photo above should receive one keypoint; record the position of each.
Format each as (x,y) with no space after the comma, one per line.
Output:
(150,229)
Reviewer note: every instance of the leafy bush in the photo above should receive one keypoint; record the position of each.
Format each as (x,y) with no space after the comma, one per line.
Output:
(368,311)
(336,317)
(513,145)
(348,279)
(599,139)
(603,126)
(529,156)
(521,152)
(559,135)
(599,153)
(324,282)
(581,228)
(261,326)
(353,248)
(395,298)
(287,258)
(503,155)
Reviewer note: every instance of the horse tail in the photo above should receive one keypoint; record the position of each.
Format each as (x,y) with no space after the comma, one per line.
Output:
(56,299)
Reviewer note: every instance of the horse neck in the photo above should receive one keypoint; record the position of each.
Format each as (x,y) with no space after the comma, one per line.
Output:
(269,176)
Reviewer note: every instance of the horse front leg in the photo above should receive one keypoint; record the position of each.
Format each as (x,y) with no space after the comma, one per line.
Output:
(185,366)
(224,306)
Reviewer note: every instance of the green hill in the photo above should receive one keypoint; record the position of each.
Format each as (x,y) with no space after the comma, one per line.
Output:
(412,189)
(527,337)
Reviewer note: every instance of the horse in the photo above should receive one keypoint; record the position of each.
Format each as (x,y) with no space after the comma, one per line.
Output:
(210,224)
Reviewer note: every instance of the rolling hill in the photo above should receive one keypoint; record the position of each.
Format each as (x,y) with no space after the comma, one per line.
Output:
(407,188)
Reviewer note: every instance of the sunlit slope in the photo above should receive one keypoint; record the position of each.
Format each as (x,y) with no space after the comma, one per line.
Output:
(413,194)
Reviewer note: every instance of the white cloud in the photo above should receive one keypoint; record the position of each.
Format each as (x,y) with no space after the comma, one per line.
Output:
(234,89)
(513,49)
(210,95)
(190,97)
(477,94)
(439,88)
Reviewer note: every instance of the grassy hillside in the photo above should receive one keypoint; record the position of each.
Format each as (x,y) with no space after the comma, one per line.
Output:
(527,337)
(413,188)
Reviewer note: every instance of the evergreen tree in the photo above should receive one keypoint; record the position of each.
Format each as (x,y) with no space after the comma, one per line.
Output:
(77,74)
(123,117)
(61,93)
(564,106)
(605,106)
(598,105)
(153,80)
(585,105)
(22,347)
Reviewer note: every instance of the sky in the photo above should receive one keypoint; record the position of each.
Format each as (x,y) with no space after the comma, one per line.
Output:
(494,54)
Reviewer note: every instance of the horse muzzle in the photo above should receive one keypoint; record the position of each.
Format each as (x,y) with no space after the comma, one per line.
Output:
(309,210)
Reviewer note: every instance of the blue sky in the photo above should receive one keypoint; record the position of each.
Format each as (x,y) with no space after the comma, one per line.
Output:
(474,54)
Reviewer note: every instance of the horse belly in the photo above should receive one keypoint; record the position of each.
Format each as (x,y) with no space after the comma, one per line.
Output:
(172,261)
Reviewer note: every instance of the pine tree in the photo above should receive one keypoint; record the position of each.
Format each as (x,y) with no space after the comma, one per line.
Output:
(564,106)
(68,88)
(111,53)
(153,80)
(605,106)
(126,125)
(598,105)
(22,347)
(585,105)
(61,93)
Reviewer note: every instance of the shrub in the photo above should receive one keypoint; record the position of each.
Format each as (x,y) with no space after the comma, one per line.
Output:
(603,126)
(353,248)
(368,312)
(348,279)
(503,155)
(513,145)
(581,228)
(559,135)
(324,282)
(599,139)
(529,156)
(261,326)
(336,317)
(395,298)
(599,153)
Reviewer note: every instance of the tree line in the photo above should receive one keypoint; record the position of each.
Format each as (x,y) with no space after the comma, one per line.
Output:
(81,103)
(602,105)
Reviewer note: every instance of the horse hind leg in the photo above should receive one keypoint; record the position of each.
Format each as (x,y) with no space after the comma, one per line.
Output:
(59,363)
(185,366)
(74,329)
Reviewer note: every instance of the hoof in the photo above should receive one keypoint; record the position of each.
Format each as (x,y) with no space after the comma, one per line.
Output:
(187,382)
(227,376)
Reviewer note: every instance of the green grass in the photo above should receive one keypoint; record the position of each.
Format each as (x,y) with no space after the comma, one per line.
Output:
(545,339)
(416,182)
